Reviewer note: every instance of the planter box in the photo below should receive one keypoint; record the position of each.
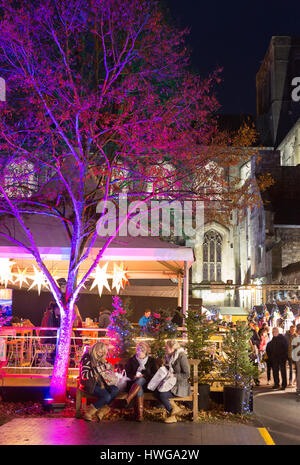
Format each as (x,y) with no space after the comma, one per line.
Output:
(238,400)
(203,396)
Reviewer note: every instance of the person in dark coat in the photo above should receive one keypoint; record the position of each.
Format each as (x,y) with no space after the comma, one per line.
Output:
(178,317)
(104,318)
(277,352)
(255,339)
(51,319)
(140,369)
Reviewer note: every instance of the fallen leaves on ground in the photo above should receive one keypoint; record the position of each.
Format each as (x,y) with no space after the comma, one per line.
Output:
(216,414)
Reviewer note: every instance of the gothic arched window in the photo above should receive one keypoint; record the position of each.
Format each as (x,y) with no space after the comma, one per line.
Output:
(212,256)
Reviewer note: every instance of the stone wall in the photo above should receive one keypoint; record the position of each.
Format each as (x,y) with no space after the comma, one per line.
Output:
(290,245)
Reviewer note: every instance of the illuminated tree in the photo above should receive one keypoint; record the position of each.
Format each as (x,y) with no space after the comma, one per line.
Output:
(98,101)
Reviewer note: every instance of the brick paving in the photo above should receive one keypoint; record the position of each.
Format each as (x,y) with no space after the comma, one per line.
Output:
(71,431)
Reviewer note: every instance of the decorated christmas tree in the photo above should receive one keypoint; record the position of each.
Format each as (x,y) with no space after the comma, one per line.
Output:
(4,318)
(120,331)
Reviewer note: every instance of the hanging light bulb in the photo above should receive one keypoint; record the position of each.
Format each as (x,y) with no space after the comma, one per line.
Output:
(5,271)
(39,280)
(100,278)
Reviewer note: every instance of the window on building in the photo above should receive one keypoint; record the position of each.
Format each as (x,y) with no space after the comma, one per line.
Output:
(245,171)
(212,256)
(19,178)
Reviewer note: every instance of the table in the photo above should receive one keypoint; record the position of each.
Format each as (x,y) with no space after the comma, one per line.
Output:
(90,333)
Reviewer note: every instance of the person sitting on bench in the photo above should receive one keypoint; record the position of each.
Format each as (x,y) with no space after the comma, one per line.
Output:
(97,377)
(177,363)
(140,369)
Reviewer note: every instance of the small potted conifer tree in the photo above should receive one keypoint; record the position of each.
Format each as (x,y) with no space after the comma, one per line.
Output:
(199,332)
(238,369)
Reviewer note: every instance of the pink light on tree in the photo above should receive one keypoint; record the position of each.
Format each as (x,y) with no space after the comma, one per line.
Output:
(98,101)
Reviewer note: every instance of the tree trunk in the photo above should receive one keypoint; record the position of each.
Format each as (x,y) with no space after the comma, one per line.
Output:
(58,385)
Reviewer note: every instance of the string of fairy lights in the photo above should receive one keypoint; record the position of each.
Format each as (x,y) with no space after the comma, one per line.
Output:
(100,276)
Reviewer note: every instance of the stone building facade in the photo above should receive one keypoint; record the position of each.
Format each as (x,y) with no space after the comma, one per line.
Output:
(263,246)
(276,111)
(231,255)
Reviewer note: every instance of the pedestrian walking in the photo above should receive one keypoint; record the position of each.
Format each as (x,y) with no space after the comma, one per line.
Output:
(264,339)
(263,358)
(277,352)
(255,337)
(296,359)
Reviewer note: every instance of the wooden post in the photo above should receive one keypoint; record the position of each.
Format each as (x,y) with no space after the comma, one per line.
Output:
(179,289)
(185,303)
(264,295)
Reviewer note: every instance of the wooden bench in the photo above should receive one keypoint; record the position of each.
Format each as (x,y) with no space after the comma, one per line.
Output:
(82,396)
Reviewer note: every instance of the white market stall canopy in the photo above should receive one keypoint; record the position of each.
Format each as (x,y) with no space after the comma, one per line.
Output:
(143,257)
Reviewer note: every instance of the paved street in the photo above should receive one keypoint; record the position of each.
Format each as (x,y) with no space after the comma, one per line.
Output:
(70,431)
(276,411)
(279,412)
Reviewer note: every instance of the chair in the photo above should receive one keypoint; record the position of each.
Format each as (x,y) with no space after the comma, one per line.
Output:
(41,354)
(14,347)
(76,351)
(26,347)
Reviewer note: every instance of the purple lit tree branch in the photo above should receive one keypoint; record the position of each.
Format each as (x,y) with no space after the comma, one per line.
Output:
(99,100)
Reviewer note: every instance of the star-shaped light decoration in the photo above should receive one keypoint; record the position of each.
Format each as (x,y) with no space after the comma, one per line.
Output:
(5,271)
(119,277)
(100,278)
(21,276)
(39,280)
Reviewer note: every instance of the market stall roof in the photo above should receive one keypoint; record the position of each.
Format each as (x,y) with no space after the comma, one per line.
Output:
(143,257)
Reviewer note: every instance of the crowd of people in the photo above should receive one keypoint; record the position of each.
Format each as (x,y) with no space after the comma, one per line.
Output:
(274,349)
(175,318)
(98,378)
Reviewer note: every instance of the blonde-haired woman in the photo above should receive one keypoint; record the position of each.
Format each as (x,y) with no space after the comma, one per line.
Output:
(177,363)
(140,369)
(97,377)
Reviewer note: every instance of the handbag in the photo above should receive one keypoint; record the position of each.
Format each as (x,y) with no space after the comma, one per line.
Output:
(159,376)
(167,384)
(122,380)
(109,377)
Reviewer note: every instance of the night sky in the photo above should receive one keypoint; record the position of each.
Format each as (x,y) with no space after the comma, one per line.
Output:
(234,35)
